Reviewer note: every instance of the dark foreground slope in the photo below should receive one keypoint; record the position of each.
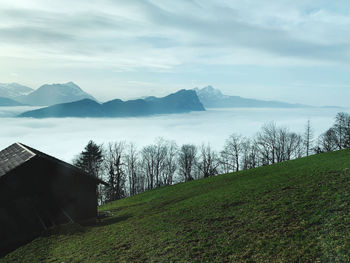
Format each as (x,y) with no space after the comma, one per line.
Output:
(297,211)
(180,102)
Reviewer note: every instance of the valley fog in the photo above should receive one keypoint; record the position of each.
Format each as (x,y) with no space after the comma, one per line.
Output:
(66,137)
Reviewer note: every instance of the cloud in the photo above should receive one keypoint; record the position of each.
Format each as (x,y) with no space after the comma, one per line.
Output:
(31,35)
(141,30)
(225,30)
(115,41)
(66,137)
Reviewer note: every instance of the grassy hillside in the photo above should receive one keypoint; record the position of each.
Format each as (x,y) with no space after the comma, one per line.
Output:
(293,211)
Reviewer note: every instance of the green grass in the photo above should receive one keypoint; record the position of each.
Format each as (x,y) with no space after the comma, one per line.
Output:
(289,212)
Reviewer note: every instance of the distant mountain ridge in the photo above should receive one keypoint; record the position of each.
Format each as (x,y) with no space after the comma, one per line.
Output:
(52,94)
(213,98)
(46,95)
(182,101)
(13,90)
(9,102)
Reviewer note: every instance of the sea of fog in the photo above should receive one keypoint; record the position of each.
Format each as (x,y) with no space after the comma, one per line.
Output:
(66,137)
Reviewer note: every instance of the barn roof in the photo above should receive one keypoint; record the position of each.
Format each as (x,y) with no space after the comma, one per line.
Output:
(17,154)
(13,156)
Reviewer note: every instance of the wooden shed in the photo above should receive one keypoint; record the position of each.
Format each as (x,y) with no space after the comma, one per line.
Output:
(38,191)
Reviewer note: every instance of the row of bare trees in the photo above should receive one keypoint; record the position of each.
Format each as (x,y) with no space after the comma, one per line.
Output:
(271,145)
(129,170)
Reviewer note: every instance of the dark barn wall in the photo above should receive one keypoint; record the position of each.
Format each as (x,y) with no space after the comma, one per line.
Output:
(76,193)
(20,191)
(40,194)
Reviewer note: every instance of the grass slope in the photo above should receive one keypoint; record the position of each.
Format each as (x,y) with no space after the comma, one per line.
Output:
(293,211)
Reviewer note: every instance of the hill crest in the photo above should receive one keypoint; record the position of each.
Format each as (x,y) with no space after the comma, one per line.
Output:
(286,212)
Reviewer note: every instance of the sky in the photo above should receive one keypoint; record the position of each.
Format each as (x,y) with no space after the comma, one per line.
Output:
(290,50)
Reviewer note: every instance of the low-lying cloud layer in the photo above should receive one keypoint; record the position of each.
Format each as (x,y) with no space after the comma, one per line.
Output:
(64,138)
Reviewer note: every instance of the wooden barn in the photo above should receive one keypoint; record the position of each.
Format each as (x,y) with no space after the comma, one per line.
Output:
(38,191)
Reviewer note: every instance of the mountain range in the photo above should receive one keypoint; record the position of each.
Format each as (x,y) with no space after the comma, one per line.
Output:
(46,95)
(51,94)
(213,98)
(9,102)
(13,90)
(180,102)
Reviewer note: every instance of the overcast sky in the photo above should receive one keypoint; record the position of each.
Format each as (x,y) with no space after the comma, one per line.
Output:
(297,50)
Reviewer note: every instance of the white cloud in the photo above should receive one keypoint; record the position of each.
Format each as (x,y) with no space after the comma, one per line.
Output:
(66,137)
(85,41)
(117,32)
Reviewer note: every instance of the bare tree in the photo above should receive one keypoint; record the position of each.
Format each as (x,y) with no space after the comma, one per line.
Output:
(254,156)
(341,129)
(233,149)
(278,144)
(267,142)
(153,162)
(289,145)
(208,162)
(347,131)
(141,185)
(227,163)
(160,156)
(294,146)
(308,138)
(116,173)
(250,154)
(131,164)
(187,160)
(282,138)
(328,141)
(148,154)
(170,164)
